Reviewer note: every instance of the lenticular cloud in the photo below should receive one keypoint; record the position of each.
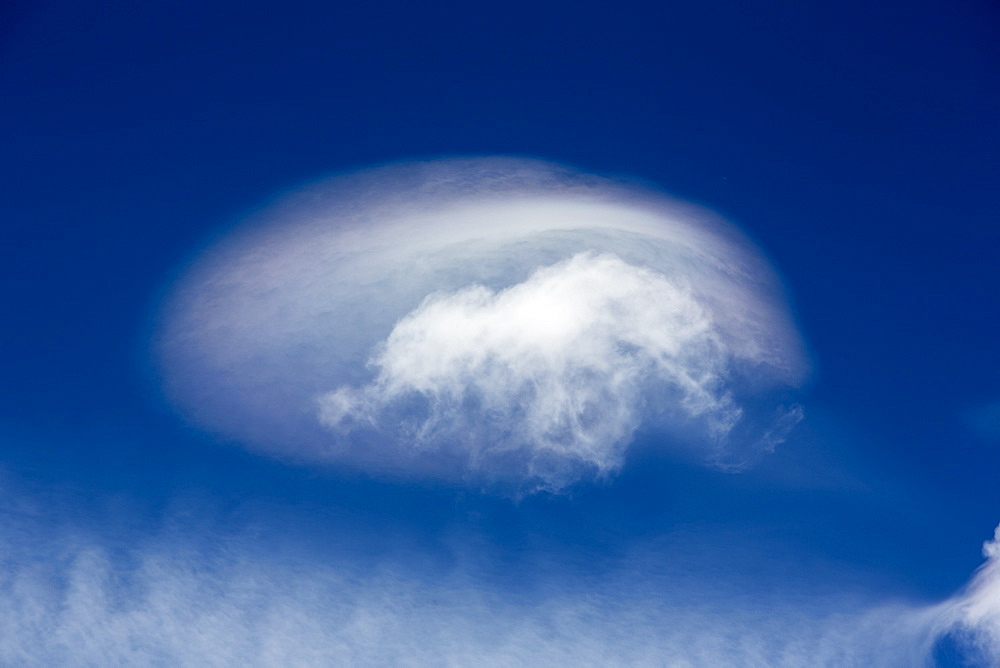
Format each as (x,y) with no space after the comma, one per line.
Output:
(495,320)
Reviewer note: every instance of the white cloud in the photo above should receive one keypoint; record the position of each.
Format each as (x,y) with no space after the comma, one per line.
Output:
(292,306)
(551,377)
(974,615)
(165,602)
(211,588)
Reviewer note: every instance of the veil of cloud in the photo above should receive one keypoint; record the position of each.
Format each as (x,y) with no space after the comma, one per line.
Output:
(74,598)
(494,319)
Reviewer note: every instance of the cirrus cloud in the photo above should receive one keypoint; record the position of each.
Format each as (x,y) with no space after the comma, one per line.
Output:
(79,601)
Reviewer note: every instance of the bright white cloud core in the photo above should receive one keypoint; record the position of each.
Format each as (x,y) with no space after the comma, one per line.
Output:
(555,373)
(496,320)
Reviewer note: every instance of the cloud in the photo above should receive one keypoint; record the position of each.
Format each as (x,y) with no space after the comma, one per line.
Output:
(214,585)
(551,377)
(974,615)
(172,600)
(487,319)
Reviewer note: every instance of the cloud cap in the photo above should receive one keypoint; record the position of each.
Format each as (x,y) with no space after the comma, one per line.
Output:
(493,319)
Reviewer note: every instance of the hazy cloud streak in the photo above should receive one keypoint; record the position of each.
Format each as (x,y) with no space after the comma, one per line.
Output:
(170,602)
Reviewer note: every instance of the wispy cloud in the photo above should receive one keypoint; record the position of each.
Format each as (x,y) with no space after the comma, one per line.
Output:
(974,614)
(165,601)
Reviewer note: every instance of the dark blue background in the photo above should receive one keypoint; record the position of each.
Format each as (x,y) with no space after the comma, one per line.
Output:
(857,142)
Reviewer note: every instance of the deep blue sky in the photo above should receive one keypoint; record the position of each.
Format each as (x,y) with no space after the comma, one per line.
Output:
(856,142)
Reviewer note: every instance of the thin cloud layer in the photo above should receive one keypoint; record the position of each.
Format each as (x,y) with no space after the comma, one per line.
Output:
(78,602)
(497,320)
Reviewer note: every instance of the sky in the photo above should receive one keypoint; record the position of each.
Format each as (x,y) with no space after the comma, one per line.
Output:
(500,333)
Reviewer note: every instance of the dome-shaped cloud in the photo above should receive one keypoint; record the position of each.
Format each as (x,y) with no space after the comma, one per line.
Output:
(500,320)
